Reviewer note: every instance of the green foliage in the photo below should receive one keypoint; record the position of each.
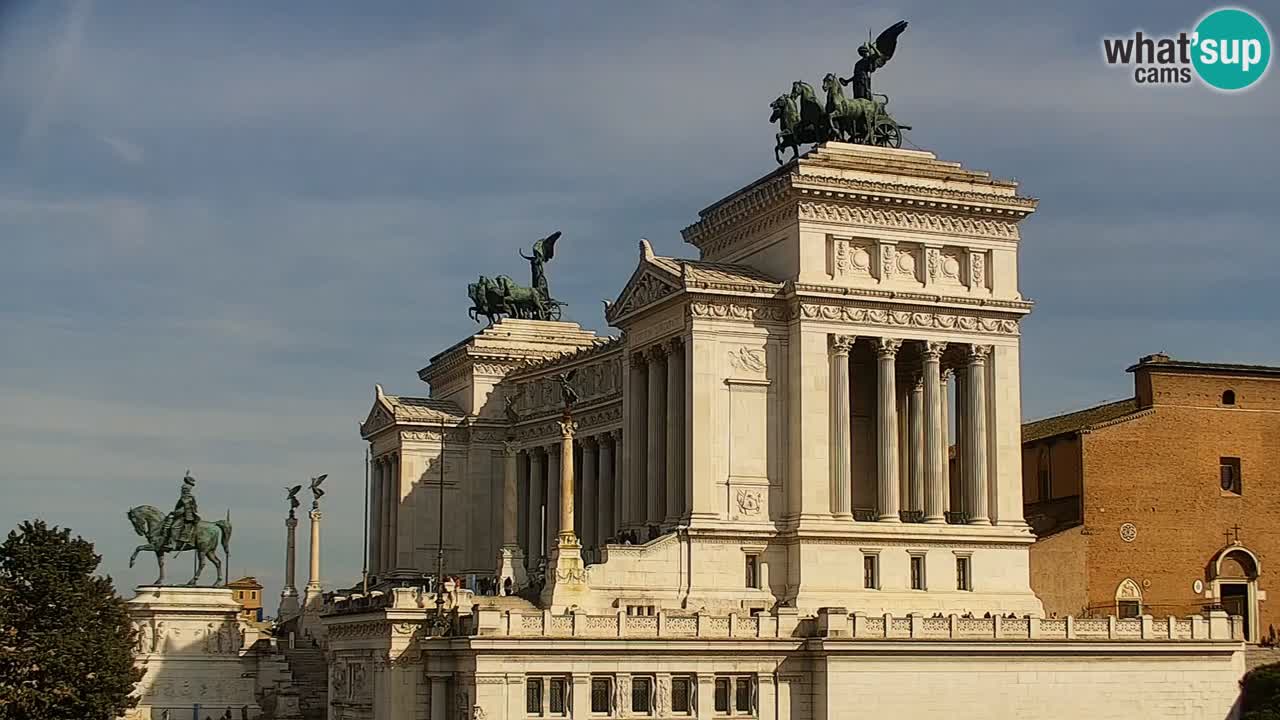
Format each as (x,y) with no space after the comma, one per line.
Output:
(66,641)
(1260,690)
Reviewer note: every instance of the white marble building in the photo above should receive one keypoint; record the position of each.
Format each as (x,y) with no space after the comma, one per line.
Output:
(771,427)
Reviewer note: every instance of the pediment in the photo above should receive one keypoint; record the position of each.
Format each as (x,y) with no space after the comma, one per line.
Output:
(379,417)
(650,283)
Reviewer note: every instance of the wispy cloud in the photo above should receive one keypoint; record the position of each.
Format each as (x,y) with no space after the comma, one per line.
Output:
(126,151)
(63,56)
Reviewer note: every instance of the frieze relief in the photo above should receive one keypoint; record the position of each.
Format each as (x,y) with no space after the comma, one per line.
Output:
(737,311)
(646,290)
(595,381)
(909,220)
(748,360)
(850,258)
(910,319)
(453,436)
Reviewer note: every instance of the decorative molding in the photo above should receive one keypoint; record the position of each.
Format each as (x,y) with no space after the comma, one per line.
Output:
(1128,532)
(913,220)
(737,311)
(909,318)
(886,347)
(910,295)
(747,359)
(842,344)
(871,186)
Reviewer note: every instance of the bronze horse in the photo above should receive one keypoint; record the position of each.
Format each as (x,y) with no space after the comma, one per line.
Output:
(147,521)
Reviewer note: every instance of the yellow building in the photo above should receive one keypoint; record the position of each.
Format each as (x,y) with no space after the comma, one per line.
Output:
(248,592)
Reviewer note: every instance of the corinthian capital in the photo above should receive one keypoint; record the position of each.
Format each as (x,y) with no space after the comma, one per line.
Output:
(933,350)
(842,344)
(887,347)
(978,354)
(567,428)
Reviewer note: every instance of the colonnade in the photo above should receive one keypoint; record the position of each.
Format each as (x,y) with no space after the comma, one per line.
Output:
(654,496)
(385,492)
(912,461)
(534,495)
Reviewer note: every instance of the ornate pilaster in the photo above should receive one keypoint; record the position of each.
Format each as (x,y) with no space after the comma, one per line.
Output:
(841,428)
(887,429)
(977,445)
(935,497)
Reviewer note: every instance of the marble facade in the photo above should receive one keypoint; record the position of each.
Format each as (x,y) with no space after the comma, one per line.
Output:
(764,445)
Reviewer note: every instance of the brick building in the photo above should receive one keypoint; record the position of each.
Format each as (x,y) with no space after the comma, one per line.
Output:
(1163,503)
(248,592)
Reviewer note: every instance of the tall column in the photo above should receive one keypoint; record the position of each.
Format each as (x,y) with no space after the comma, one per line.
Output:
(375,521)
(841,429)
(605,481)
(289,594)
(590,492)
(935,488)
(961,480)
(655,480)
(566,534)
(536,550)
(510,558)
(388,502)
(312,599)
(977,450)
(944,408)
(675,434)
(552,516)
(619,488)
(633,500)
(915,444)
(397,505)
(887,430)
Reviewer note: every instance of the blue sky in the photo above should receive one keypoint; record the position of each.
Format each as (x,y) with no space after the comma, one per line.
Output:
(221,223)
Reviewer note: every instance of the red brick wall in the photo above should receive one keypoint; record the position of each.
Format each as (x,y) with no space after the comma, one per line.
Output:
(1058,570)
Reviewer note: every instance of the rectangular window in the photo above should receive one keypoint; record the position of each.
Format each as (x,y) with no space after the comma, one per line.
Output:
(1129,609)
(722,695)
(641,695)
(533,697)
(601,694)
(917,572)
(871,571)
(559,696)
(753,571)
(682,695)
(1229,475)
(743,695)
(964,581)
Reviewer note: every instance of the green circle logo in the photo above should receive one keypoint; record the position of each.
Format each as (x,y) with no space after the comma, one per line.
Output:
(1231,49)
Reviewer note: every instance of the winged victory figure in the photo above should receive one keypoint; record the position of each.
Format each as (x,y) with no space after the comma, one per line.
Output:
(873,56)
(316,492)
(567,391)
(293,497)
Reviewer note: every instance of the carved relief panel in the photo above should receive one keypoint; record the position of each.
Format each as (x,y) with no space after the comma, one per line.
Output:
(849,258)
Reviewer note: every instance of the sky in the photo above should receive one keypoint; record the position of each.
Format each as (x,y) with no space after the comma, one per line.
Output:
(222,223)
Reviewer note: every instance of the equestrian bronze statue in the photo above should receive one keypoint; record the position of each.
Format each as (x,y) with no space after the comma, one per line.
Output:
(180,531)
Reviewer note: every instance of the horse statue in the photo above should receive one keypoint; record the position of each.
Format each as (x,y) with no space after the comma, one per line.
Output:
(851,118)
(791,132)
(813,115)
(204,540)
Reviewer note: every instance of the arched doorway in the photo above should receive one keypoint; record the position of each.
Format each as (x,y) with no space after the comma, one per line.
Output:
(1235,572)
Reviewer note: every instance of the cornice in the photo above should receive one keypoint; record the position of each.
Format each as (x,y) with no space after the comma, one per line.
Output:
(809,290)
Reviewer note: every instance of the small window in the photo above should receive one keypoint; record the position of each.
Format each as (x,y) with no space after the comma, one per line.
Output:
(533,697)
(559,696)
(753,571)
(871,571)
(601,693)
(917,572)
(1229,475)
(682,695)
(1129,608)
(641,695)
(1228,397)
(743,695)
(964,581)
(722,694)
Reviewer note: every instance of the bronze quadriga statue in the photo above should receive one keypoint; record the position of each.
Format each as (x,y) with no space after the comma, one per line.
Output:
(494,298)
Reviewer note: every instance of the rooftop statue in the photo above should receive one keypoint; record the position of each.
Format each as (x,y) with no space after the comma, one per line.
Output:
(863,118)
(501,296)
(292,497)
(316,492)
(179,531)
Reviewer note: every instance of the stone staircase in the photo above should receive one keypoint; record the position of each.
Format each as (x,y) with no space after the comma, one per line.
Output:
(311,679)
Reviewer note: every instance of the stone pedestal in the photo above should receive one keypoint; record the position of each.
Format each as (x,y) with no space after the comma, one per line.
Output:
(189,647)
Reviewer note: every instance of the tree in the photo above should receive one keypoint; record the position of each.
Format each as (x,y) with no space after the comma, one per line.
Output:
(66,640)
(1260,693)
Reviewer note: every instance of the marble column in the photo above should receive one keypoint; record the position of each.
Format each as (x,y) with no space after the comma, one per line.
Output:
(387,503)
(977,417)
(961,480)
(656,439)
(522,502)
(619,488)
(590,492)
(311,598)
(375,520)
(566,535)
(945,457)
(841,429)
(633,497)
(915,445)
(397,502)
(675,434)
(887,430)
(605,480)
(510,558)
(935,488)
(553,495)
(535,551)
